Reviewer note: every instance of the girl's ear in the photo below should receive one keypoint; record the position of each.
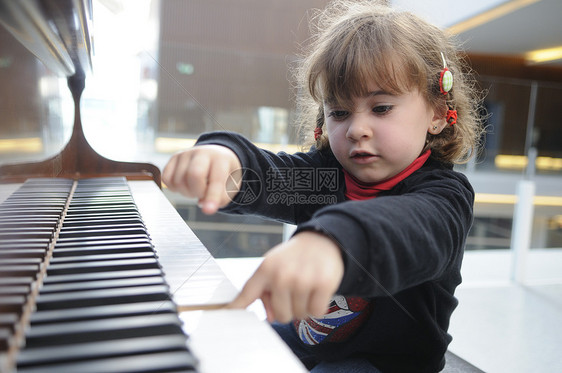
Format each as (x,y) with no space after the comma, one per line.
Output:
(438,122)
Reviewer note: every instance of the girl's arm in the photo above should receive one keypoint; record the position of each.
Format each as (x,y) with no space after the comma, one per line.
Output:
(281,186)
(395,242)
(297,277)
(371,248)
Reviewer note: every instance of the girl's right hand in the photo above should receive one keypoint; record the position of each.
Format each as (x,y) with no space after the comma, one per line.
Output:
(210,173)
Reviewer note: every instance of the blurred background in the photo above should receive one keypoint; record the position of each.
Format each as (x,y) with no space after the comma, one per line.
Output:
(164,71)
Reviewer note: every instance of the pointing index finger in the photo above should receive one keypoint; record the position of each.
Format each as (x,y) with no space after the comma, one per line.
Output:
(252,291)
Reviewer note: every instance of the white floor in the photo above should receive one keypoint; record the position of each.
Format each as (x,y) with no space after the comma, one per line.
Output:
(499,326)
(502,326)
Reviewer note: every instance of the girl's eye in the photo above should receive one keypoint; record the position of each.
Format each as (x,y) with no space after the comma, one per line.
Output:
(382,109)
(338,114)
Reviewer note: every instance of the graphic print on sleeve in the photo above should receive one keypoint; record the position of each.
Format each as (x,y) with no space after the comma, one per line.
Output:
(344,316)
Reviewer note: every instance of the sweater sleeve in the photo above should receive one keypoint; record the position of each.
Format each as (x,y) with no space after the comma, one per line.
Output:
(394,242)
(284,187)
(408,236)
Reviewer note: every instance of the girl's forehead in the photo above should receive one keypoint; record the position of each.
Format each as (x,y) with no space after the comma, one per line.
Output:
(390,74)
(376,94)
(346,94)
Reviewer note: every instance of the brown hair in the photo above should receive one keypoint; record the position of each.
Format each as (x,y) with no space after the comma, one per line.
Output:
(357,42)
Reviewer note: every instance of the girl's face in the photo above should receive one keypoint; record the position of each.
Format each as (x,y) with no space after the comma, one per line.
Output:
(383,133)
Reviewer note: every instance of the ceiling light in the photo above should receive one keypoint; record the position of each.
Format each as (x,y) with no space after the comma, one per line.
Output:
(518,162)
(511,199)
(544,55)
(490,15)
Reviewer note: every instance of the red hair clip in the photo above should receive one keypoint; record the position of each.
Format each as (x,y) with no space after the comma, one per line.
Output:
(445,81)
(317,133)
(445,78)
(451,117)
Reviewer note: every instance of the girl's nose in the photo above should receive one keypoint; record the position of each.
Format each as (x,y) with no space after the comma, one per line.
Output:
(359,128)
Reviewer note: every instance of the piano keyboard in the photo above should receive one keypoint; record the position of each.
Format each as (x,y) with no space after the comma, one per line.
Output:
(82,289)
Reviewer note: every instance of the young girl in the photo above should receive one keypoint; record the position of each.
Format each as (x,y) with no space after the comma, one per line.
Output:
(366,283)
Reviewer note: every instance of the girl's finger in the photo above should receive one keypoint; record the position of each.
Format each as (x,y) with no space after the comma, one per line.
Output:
(281,304)
(319,302)
(216,195)
(168,172)
(253,290)
(195,175)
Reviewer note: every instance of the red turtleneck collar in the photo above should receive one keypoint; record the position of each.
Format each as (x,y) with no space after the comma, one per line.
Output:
(357,190)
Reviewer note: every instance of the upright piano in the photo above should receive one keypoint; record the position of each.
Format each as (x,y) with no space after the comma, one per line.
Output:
(98,272)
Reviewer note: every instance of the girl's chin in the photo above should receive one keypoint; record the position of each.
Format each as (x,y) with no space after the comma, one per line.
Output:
(368,178)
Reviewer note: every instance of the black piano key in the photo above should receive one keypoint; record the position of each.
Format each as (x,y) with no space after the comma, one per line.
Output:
(82,193)
(21,260)
(103,284)
(35,195)
(91,222)
(8,327)
(14,290)
(26,211)
(6,335)
(110,224)
(24,242)
(102,257)
(102,312)
(41,192)
(106,216)
(22,253)
(35,243)
(28,222)
(67,333)
(94,276)
(102,249)
(9,321)
(27,231)
(48,181)
(105,349)
(105,210)
(17,233)
(97,208)
(102,240)
(15,281)
(97,191)
(101,266)
(100,189)
(148,363)
(12,304)
(18,270)
(87,233)
(36,204)
(101,202)
(88,298)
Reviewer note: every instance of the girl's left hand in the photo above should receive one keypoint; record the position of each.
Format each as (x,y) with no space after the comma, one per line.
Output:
(296,279)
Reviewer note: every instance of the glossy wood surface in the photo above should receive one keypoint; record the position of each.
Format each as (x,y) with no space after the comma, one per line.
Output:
(78,159)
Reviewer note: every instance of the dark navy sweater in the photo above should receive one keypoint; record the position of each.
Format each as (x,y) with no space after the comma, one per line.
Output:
(403,249)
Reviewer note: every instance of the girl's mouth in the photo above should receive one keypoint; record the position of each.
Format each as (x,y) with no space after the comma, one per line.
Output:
(362,157)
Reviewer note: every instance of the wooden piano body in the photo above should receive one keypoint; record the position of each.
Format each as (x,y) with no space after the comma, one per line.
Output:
(194,285)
